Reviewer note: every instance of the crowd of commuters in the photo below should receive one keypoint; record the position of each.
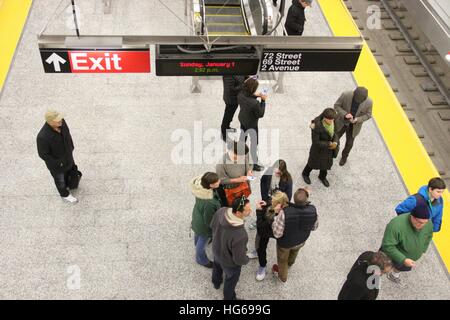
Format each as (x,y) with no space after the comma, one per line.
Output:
(289,218)
(222,197)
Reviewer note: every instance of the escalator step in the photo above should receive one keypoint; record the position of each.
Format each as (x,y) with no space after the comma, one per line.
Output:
(224,19)
(226,28)
(223,2)
(223,10)
(218,34)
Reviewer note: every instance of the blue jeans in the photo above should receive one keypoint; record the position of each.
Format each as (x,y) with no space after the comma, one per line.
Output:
(200,253)
(232,276)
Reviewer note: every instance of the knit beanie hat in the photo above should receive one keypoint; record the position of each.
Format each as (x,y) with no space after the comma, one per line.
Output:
(421,211)
(360,94)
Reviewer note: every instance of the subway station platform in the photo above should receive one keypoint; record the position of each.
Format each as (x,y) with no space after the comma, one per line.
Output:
(129,234)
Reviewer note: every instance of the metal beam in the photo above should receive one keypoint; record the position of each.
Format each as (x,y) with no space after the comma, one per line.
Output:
(294,42)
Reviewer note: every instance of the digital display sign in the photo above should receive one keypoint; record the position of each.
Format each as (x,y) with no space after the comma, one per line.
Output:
(298,60)
(170,61)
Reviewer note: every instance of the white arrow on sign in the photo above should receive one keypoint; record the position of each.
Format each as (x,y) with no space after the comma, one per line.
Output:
(56,60)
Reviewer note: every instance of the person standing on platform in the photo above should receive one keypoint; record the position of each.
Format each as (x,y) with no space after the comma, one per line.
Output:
(353,108)
(265,214)
(276,178)
(234,169)
(207,202)
(251,110)
(407,237)
(295,19)
(292,227)
(55,147)
(432,194)
(363,280)
(324,147)
(232,85)
(230,245)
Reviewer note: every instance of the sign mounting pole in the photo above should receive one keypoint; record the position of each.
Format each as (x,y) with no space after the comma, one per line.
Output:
(75,18)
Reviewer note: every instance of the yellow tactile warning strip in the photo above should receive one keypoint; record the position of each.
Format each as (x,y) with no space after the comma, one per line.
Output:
(409,155)
(13,14)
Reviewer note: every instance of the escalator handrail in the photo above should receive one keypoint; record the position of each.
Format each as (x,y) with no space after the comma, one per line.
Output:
(244,15)
(205,25)
(282,4)
(265,16)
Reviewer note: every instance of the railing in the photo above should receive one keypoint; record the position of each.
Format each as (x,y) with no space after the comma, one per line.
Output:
(244,15)
(265,16)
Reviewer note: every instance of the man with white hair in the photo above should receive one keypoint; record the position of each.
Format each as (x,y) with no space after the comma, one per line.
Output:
(55,147)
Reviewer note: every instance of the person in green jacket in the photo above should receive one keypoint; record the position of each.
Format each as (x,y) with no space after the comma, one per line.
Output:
(206,204)
(406,238)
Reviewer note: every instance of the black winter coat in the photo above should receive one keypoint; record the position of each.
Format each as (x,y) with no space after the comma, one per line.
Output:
(266,180)
(295,19)
(320,157)
(264,223)
(251,110)
(355,287)
(232,85)
(56,148)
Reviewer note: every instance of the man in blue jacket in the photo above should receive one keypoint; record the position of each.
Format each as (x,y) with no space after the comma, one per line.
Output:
(432,194)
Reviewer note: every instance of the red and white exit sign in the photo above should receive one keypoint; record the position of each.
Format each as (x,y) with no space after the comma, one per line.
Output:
(96,61)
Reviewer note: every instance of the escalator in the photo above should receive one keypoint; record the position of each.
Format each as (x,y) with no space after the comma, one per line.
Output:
(225,17)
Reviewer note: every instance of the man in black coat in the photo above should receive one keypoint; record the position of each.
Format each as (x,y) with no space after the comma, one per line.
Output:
(55,147)
(363,280)
(250,113)
(324,147)
(232,85)
(295,20)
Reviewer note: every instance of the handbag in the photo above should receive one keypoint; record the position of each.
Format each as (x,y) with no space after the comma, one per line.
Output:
(74,177)
(243,189)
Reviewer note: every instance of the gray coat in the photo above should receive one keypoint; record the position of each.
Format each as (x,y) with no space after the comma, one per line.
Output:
(343,106)
(227,170)
(229,243)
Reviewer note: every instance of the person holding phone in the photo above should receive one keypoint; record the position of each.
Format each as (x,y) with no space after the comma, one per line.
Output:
(325,143)
(250,112)
(265,214)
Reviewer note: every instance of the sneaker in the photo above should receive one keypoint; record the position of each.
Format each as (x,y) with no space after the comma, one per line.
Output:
(343,161)
(275,269)
(394,278)
(252,254)
(70,198)
(261,273)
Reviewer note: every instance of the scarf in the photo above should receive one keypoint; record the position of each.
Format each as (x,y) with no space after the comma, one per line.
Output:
(232,219)
(329,128)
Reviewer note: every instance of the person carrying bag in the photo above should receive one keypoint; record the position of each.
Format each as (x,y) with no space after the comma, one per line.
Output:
(233,171)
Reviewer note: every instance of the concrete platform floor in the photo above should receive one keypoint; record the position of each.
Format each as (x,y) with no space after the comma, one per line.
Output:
(129,234)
